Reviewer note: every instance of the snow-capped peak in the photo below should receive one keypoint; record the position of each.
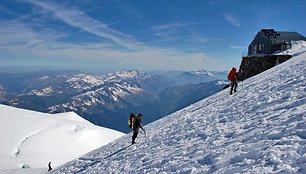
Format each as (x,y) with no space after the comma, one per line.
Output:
(80,80)
(201,72)
(127,74)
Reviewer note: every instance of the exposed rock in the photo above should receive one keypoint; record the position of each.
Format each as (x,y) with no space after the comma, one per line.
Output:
(253,65)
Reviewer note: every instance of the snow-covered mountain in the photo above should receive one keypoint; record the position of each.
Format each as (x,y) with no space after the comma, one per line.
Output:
(259,129)
(32,139)
(104,100)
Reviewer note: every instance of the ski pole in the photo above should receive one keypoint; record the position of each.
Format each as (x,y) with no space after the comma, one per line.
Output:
(145,133)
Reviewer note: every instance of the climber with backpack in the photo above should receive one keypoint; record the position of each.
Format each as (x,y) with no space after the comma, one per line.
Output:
(135,124)
(233,77)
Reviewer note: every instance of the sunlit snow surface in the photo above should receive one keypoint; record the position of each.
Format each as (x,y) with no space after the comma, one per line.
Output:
(259,129)
(32,139)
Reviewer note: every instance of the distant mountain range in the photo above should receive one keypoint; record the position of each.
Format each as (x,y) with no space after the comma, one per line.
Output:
(107,100)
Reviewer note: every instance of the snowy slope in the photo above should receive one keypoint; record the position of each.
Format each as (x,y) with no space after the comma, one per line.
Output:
(259,129)
(298,47)
(31,139)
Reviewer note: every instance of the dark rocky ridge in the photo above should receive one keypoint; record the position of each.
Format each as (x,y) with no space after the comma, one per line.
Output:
(253,65)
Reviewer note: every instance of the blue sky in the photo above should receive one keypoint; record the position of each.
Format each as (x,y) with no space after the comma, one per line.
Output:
(111,35)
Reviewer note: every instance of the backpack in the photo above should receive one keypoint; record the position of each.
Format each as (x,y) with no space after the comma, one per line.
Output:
(231,74)
(131,120)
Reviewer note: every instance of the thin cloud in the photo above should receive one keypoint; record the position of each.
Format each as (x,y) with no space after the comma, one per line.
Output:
(232,19)
(120,21)
(172,26)
(41,47)
(15,32)
(81,20)
(183,32)
(236,47)
(19,39)
(168,32)
(173,31)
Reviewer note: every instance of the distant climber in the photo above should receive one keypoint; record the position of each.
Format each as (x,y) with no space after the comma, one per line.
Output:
(233,76)
(136,124)
(50,168)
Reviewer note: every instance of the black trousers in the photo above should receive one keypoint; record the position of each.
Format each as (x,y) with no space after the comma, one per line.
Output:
(135,133)
(233,86)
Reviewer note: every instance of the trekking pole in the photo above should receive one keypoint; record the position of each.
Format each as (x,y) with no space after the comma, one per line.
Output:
(145,133)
